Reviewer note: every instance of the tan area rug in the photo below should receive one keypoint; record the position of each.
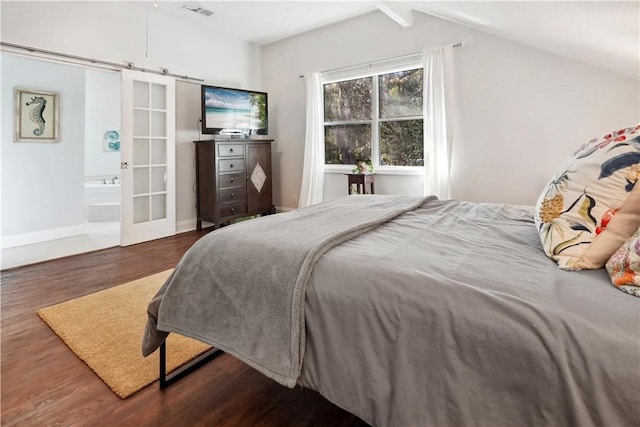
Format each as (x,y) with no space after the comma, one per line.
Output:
(105,330)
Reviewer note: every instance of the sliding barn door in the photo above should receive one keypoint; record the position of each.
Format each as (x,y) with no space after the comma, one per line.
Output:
(147,157)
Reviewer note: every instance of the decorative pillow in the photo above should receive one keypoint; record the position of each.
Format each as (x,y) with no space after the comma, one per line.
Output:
(581,200)
(614,230)
(624,266)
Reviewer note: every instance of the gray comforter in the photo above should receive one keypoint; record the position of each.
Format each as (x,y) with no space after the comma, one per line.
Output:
(242,288)
(450,314)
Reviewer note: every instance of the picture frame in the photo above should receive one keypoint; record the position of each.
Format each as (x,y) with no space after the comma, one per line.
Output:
(111,141)
(37,115)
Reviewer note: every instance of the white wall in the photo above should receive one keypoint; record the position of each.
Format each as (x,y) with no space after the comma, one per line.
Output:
(42,183)
(116,32)
(102,113)
(187,114)
(519,110)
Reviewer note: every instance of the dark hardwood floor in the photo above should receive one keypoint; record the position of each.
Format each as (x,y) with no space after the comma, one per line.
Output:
(44,384)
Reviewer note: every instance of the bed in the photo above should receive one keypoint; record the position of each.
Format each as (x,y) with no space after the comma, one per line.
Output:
(411,311)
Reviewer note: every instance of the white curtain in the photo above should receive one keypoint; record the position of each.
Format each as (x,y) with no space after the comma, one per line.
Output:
(312,187)
(438,132)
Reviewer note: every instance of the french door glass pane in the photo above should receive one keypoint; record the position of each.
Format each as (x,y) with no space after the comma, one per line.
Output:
(140,151)
(140,94)
(158,151)
(158,179)
(140,209)
(401,94)
(158,206)
(141,180)
(401,143)
(347,100)
(158,97)
(344,144)
(158,123)
(140,123)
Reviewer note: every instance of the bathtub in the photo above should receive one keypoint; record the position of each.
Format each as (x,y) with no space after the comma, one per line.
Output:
(101,200)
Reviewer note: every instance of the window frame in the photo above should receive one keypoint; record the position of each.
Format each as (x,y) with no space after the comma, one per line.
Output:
(373,71)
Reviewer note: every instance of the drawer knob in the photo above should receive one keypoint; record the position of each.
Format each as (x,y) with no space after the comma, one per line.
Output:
(233,210)
(232,195)
(231,179)
(231,166)
(231,150)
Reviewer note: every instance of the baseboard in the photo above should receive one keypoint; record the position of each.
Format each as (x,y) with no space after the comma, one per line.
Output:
(280,209)
(42,236)
(184,226)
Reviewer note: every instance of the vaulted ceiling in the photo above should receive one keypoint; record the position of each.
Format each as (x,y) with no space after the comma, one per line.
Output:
(602,33)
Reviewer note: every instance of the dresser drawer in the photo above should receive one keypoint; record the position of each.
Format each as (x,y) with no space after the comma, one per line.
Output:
(228,150)
(231,165)
(229,180)
(233,210)
(231,195)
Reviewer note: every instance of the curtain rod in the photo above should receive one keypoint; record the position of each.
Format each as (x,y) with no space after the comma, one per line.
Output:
(128,66)
(455,45)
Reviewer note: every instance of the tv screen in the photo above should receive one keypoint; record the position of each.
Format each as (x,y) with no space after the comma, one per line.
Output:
(239,112)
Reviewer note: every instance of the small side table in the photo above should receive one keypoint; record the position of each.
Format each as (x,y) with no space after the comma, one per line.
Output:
(361,180)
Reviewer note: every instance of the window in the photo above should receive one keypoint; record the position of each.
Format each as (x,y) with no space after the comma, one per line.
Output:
(377,117)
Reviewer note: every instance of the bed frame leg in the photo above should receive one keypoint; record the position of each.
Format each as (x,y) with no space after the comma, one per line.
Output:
(167,380)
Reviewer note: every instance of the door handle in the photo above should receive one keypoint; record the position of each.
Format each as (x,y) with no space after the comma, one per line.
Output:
(124,165)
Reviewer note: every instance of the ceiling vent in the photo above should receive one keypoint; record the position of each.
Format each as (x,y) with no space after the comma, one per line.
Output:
(198,9)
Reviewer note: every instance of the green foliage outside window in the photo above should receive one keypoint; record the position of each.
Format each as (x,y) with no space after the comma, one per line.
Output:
(349,117)
(347,100)
(401,143)
(401,94)
(346,144)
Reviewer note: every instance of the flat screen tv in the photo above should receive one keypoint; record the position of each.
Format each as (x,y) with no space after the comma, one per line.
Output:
(234,112)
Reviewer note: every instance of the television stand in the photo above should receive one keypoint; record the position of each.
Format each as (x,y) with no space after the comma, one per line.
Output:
(233,179)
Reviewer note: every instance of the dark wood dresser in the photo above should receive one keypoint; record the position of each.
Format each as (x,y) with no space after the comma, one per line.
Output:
(233,179)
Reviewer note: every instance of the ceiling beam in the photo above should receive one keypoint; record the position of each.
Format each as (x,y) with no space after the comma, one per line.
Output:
(398,11)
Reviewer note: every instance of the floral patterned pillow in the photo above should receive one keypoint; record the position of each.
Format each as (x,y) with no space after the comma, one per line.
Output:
(592,184)
(624,266)
(616,227)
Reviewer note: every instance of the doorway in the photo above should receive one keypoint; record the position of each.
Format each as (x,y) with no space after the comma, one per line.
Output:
(61,198)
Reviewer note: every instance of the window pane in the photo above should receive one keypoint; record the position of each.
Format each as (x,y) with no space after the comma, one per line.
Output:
(140,180)
(141,123)
(158,151)
(158,206)
(401,94)
(343,144)
(140,151)
(158,97)
(347,100)
(140,94)
(140,209)
(158,179)
(401,143)
(158,123)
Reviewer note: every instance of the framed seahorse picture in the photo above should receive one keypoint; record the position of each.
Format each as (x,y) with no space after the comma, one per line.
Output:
(37,115)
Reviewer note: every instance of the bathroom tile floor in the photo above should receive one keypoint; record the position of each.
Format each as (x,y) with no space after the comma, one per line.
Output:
(99,235)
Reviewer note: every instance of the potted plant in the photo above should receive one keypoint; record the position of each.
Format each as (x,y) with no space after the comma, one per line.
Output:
(363,165)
